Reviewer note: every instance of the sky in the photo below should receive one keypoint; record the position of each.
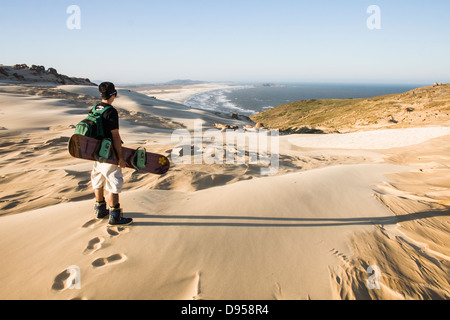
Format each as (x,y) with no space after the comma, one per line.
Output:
(130,42)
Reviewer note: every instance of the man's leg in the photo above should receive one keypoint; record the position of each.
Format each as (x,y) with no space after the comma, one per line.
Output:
(113,200)
(99,195)
(97,179)
(101,209)
(116,218)
(114,183)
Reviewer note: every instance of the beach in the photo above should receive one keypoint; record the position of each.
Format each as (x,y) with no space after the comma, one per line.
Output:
(180,93)
(337,205)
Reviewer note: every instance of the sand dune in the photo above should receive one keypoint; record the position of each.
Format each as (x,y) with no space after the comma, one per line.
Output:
(168,111)
(219,231)
(369,140)
(231,236)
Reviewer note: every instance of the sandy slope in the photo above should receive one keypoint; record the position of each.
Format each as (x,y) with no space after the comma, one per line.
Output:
(264,238)
(219,231)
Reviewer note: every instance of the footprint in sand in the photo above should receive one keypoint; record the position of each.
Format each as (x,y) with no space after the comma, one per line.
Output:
(94,245)
(92,223)
(191,287)
(114,259)
(342,257)
(66,279)
(116,231)
(277,292)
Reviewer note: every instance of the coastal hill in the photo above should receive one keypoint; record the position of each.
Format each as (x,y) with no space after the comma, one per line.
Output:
(419,107)
(38,74)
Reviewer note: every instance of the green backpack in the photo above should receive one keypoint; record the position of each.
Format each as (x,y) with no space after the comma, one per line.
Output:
(92,125)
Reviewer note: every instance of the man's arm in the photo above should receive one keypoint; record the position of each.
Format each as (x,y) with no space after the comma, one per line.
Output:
(117,143)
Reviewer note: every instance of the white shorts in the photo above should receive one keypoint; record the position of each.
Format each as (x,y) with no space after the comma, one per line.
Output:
(108,176)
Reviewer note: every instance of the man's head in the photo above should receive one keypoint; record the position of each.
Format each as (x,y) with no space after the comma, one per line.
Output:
(108,91)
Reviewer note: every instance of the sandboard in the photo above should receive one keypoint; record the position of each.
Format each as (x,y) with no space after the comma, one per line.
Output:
(86,148)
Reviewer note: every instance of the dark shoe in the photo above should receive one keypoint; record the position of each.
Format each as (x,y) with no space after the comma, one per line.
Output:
(100,210)
(116,218)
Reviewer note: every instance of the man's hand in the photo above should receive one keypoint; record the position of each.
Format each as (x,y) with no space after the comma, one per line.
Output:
(122,163)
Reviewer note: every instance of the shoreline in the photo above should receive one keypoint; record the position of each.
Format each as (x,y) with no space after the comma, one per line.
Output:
(221,98)
(266,96)
(181,93)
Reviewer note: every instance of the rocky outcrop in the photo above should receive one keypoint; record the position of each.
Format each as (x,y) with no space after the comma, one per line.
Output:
(241,117)
(222,126)
(20,66)
(4,72)
(36,73)
(38,69)
(52,71)
(305,130)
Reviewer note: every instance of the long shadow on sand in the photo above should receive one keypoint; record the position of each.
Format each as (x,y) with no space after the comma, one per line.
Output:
(216,221)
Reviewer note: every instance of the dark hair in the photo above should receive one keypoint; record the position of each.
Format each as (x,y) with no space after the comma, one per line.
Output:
(107,90)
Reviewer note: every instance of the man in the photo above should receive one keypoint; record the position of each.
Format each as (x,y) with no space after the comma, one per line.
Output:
(108,177)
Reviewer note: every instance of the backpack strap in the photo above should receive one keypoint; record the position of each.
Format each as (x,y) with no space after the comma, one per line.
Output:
(99,112)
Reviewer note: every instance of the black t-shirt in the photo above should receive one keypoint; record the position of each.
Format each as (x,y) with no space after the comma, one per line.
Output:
(110,119)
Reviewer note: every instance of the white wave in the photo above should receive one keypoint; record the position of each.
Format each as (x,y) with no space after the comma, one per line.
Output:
(216,100)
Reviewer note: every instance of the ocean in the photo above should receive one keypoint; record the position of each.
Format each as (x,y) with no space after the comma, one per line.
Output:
(251,99)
